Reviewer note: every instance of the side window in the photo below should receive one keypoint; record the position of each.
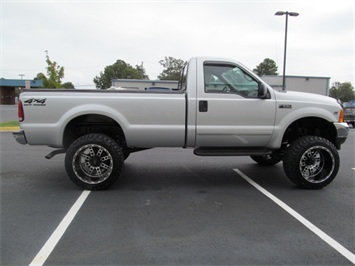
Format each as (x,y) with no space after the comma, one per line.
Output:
(229,79)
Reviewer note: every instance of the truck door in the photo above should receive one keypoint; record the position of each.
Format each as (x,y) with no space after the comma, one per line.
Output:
(229,111)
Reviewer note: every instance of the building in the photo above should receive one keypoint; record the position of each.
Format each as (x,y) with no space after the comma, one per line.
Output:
(317,85)
(8,88)
(137,84)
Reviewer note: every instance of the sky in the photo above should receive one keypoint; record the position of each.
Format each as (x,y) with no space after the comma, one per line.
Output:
(86,36)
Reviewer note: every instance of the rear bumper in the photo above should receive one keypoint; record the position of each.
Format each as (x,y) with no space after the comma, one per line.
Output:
(20,137)
(342,133)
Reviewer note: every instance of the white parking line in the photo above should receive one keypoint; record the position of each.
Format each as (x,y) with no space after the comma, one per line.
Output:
(47,249)
(330,241)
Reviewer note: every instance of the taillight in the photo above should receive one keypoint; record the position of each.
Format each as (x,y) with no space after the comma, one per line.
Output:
(21,114)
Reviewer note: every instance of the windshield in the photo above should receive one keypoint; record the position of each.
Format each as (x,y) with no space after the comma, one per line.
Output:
(350,110)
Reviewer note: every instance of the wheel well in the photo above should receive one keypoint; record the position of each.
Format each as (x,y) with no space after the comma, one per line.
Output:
(310,126)
(92,123)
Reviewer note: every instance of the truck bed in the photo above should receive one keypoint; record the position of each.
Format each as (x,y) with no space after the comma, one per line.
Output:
(157,116)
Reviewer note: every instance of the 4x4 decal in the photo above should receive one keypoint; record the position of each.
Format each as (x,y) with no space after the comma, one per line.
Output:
(35,102)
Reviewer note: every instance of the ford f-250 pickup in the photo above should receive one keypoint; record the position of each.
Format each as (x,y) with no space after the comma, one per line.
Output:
(220,109)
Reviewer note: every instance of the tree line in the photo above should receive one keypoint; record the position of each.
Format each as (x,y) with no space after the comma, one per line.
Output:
(122,70)
(171,71)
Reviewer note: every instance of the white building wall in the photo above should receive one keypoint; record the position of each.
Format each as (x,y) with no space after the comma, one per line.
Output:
(144,84)
(317,85)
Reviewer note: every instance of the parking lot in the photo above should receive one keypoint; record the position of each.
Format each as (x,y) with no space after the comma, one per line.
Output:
(171,207)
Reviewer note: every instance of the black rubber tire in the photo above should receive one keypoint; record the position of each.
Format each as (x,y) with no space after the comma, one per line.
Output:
(266,160)
(94,161)
(311,162)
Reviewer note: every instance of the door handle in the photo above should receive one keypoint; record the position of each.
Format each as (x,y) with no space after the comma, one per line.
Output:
(203,106)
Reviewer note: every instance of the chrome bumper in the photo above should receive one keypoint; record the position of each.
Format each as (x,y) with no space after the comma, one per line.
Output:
(342,133)
(20,137)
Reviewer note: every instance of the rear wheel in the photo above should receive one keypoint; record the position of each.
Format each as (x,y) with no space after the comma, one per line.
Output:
(311,162)
(94,161)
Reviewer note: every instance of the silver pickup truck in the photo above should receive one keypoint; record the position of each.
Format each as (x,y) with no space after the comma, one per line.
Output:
(220,109)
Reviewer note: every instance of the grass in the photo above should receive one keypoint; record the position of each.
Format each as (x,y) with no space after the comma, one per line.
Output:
(9,124)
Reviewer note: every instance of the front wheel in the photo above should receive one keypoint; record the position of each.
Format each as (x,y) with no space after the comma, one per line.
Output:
(311,162)
(94,161)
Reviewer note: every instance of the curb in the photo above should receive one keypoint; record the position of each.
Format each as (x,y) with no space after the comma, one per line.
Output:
(9,129)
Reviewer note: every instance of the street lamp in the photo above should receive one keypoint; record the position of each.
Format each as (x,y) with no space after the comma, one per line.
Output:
(292,14)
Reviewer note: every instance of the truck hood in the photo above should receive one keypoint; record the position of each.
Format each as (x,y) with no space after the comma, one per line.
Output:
(293,105)
(305,97)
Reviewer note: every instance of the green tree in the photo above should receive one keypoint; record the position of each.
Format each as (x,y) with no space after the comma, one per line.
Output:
(42,77)
(68,85)
(119,70)
(172,68)
(267,67)
(342,91)
(55,74)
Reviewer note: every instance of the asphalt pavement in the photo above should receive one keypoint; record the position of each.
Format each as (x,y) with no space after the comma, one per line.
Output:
(8,113)
(170,207)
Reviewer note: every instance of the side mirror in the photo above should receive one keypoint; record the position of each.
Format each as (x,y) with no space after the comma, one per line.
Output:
(263,92)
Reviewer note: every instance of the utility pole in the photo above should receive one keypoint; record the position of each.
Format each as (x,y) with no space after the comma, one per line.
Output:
(292,14)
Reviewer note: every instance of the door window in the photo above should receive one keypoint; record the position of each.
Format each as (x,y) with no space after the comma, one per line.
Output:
(229,79)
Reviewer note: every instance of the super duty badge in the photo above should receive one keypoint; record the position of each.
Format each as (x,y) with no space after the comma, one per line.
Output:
(285,106)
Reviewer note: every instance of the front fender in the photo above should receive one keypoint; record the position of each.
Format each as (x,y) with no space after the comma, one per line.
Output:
(285,117)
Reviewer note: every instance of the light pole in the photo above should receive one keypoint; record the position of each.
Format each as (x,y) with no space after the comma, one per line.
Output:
(292,14)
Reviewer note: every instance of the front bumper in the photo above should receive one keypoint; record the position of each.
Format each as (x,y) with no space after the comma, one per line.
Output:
(20,137)
(342,133)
